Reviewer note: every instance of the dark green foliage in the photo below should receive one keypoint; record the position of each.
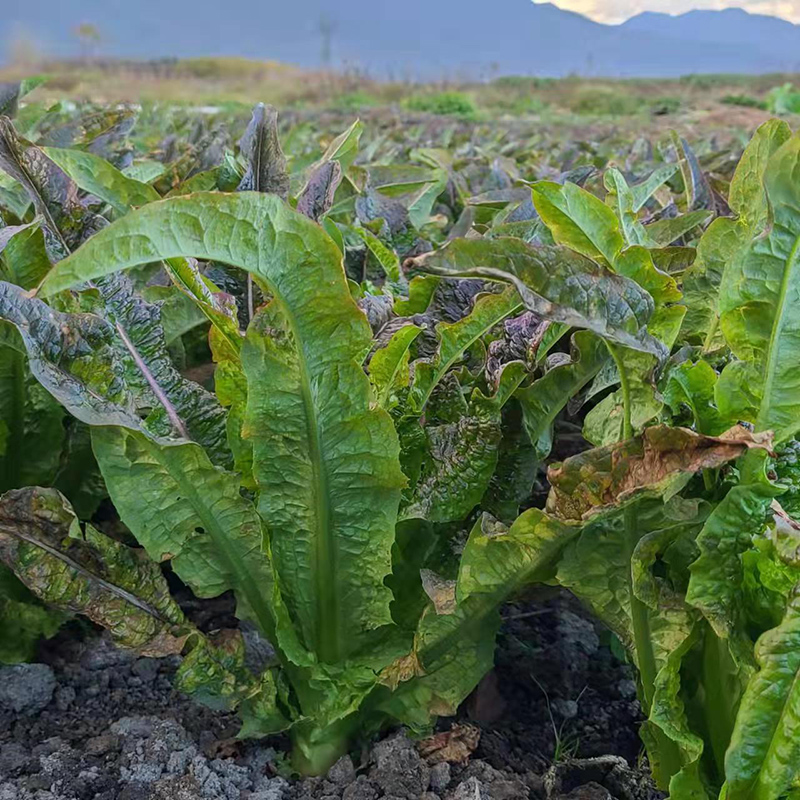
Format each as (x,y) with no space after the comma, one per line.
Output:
(336,391)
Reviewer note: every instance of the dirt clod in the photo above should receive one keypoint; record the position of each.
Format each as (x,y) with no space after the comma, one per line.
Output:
(109,726)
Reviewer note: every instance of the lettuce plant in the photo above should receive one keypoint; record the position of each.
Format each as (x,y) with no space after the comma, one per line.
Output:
(327,545)
(698,578)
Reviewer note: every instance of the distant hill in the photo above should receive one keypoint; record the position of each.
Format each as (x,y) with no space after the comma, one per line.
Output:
(412,38)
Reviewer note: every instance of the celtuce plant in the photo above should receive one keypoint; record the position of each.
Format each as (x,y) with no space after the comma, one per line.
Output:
(382,405)
(308,553)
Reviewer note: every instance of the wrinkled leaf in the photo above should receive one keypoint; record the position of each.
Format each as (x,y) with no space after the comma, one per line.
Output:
(88,573)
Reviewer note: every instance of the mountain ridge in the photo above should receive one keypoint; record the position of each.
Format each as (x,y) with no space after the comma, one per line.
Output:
(416,39)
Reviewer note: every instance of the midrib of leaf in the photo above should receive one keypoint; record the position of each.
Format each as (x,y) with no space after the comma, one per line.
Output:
(777,326)
(327,629)
(247,582)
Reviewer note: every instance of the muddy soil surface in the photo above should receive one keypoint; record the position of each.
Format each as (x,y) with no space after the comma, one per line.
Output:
(556,719)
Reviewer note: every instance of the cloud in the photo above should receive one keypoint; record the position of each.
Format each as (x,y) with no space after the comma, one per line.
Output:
(613,11)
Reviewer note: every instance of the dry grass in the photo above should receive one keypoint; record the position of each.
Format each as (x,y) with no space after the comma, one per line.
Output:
(232,81)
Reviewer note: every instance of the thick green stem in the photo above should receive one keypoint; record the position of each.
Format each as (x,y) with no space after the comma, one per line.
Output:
(640,615)
(315,750)
(625,387)
(722,695)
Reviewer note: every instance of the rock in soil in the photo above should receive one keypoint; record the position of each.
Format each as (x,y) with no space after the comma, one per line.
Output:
(26,689)
(91,722)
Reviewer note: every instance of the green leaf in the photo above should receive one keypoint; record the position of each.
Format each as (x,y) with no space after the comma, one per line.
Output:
(666,231)
(387,258)
(643,191)
(454,645)
(737,392)
(725,237)
(579,220)
(695,386)
(25,256)
(325,459)
(674,260)
(717,575)
(23,620)
(670,717)
(557,284)
(13,196)
(763,761)
(194,516)
(621,198)
(230,385)
(144,171)
(420,293)
(455,338)
(498,561)
(205,181)
(595,567)
(605,423)
(760,297)
(88,573)
(389,365)
(12,93)
(8,232)
(31,426)
(95,175)
(545,398)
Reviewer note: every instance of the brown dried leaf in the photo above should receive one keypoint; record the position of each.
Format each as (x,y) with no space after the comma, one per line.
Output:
(454,746)
(401,670)
(441,592)
(655,462)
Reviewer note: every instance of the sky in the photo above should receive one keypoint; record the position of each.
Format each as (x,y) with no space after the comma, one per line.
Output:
(613,11)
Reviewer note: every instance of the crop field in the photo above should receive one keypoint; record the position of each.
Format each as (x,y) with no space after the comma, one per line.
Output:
(426,442)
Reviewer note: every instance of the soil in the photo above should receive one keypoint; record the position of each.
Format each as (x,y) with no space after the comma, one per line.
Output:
(556,720)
